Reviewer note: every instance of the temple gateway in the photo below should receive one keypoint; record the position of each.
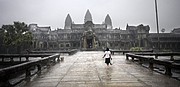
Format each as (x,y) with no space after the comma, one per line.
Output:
(90,36)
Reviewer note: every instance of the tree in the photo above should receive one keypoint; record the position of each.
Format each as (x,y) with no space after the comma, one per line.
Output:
(163,30)
(1,40)
(16,36)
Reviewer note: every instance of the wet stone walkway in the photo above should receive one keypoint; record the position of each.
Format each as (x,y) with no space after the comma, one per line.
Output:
(87,69)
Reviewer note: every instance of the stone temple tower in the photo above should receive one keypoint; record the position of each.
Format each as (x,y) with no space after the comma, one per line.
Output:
(108,22)
(68,22)
(87,17)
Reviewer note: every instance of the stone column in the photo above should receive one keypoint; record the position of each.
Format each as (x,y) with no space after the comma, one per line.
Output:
(94,42)
(84,43)
(47,45)
(145,43)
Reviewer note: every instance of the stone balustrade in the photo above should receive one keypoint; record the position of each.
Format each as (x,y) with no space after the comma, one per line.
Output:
(70,52)
(129,51)
(11,72)
(167,64)
(171,54)
(12,57)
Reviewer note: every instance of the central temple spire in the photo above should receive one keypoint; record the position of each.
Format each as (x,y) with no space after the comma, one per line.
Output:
(87,17)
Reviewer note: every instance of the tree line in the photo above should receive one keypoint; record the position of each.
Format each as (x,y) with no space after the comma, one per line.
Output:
(15,38)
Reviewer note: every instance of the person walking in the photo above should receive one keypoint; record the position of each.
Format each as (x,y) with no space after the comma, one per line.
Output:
(107,56)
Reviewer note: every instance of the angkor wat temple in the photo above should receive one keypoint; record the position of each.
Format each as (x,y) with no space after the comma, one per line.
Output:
(90,36)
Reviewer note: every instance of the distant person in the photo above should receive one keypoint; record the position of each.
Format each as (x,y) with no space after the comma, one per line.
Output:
(107,56)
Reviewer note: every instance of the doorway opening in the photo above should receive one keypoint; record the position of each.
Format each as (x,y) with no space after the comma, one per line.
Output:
(89,43)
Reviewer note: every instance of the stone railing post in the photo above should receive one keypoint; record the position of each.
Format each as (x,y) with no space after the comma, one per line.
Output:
(127,57)
(27,58)
(11,59)
(140,61)
(151,63)
(62,59)
(172,58)
(28,73)
(39,69)
(156,56)
(58,58)
(168,70)
(132,58)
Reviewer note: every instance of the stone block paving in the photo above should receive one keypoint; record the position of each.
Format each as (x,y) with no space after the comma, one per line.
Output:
(87,69)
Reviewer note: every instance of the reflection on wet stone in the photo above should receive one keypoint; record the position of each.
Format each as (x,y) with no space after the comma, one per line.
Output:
(87,69)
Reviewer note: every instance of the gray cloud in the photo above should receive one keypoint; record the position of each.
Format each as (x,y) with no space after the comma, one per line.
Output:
(53,12)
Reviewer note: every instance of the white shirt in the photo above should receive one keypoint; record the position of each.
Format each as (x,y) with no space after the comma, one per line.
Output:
(107,54)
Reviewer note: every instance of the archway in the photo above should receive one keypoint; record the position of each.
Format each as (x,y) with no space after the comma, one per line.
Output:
(89,43)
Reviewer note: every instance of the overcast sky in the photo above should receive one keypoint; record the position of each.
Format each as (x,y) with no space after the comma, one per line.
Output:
(54,12)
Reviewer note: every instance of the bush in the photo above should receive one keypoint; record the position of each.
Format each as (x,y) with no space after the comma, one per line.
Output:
(135,49)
